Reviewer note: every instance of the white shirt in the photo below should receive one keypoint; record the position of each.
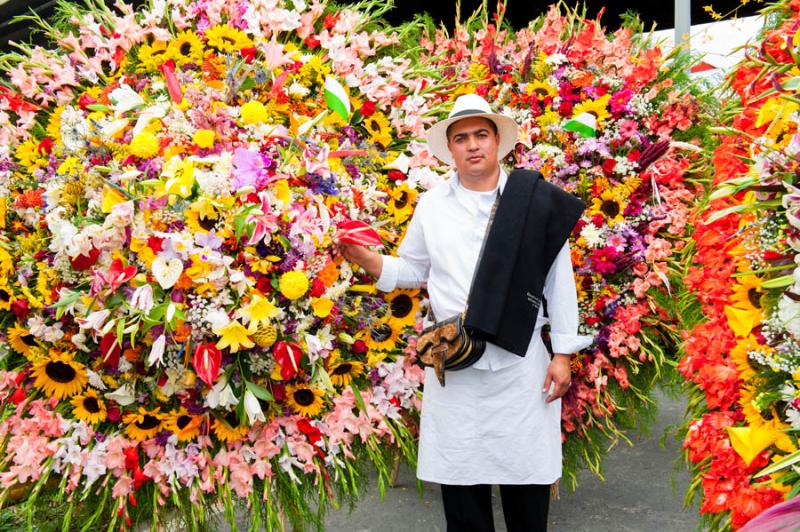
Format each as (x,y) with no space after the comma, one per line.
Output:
(490,424)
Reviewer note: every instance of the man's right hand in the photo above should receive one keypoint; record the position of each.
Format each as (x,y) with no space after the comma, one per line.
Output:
(371,261)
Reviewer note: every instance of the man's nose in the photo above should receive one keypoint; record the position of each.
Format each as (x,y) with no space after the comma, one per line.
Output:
(472,143)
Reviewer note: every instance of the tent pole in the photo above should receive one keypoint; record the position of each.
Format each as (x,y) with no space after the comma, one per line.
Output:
(683,22)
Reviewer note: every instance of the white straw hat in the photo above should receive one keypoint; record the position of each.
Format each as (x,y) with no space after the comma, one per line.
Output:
(470,106)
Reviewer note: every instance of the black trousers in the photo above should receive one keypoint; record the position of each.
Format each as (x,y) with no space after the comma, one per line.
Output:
(469,508)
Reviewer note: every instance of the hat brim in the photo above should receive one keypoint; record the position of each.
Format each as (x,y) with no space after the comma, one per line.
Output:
(507,129)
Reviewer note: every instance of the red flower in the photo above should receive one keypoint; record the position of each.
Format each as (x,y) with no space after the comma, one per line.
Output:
(248,54)
(396,176)
(317,288)
(312,41)
(110,349)
(206,362)
(20,308)
(608,166)
(288,356)
(602,260)
(367,109)
(84,262)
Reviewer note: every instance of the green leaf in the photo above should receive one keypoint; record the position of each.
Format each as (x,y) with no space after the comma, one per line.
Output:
(101,107)
(792,83)
(783,463)
(778,282)
(259,391)
(725,212)
(359,399)
(120,331)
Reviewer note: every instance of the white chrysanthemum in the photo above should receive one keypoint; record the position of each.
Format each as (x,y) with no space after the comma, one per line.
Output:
(593,235)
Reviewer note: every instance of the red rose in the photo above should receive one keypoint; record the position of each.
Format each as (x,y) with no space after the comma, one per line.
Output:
(634,155)
(608,166)
(359,347)
(113,412)
(20,308)
(278,392)
(317,288)
(598,220)
(264,285)
(565,108)
(367,109)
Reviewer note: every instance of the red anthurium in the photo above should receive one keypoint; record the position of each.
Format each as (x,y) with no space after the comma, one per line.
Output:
(118,274)
(110,349)
(358,233)
(84,262)
(173,86)
(288,356)
(206,362)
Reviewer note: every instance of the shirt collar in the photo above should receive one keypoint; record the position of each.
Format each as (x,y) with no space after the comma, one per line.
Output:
(453,181)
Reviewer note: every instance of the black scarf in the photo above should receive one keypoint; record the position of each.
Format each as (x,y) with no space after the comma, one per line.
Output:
(533,220)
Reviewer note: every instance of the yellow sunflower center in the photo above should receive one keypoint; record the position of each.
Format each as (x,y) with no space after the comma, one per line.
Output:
(401,306)
(228,40)
(381,333)
(232,419)
(4,295)
(342,369)
(60,372)
(91,405)
(186,48)
(375,126)
(206,223)
(755,297)
(304,397)
(182,421)
(610,208)
(148,422)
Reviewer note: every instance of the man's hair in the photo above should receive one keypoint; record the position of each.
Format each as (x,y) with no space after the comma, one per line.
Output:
(491,122)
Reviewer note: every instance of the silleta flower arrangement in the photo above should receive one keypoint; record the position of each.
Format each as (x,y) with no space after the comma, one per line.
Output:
(743,359)
(177,330)
(603,117)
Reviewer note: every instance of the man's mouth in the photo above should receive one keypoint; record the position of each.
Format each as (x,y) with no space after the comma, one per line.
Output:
(475,158)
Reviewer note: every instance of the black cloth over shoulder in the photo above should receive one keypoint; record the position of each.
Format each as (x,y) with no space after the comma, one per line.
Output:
(533,220)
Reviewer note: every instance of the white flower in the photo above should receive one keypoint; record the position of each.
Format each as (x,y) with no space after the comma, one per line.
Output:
(789,315)
(221,395)
(123,396)
(253,408)
(157,351)
(94,321)
(95,380)
(124,99)
(593,235)
(297,91)
(142,298)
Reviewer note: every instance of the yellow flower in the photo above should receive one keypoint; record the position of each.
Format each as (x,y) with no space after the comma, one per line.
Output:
(322,307)
(234,335)
(110,197)
(184,425)
(381,336)
(59,375)
(305,400)
(186,48)
(144,145)
(229,429)
(282,191)
(343,372)
(740,354)
(611,205)
(6,295)
(293,285)
(89,408)
(202,216)
(401,202)
(542,89)
(254,112)
(265,335)
(314,71)
(227,39)
(748,442)
(747,292)
(179,174)
(379,129)
(152,56)
(742,320)
(23,342)
(598,107)
(260,310)
(204,138)
(143,424)
(403,307)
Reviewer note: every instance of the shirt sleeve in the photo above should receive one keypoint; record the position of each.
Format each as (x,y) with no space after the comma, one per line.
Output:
(562,306)
(411,266)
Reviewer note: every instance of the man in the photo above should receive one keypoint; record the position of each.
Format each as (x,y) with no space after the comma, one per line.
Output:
(497,422)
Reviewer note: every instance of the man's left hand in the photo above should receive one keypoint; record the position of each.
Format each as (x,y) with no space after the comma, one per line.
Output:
(560,375)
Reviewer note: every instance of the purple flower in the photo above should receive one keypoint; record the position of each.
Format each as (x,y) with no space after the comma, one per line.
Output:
(248,168)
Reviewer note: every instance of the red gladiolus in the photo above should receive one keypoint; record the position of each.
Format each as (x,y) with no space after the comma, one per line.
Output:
(206,362)
(19,395)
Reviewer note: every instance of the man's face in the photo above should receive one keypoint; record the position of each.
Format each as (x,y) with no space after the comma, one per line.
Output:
(473,144)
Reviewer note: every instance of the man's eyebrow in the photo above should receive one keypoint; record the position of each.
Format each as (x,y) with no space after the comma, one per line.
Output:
(478,130)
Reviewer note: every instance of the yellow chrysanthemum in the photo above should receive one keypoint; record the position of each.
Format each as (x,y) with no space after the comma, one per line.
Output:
(144,424)
(59,375)
(204,138)
(89,408)
(305,400)
(293,285)
(227,39)
(144,145)
(254,112)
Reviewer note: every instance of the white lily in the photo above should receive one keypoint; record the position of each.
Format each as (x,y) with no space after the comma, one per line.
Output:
(253,408)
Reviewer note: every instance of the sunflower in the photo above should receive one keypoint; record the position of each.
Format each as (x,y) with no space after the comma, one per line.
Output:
(747,292)
(59,375)
(598,107)
(184,425)
(152,56)
(382,336)
(229,429)
(6,295)
(202,216)
(89,408)
(227,39)
(611,204)
(144,424)
(403,307)
(379,129)
(342,373)
(313,72)
(541,89)
(304,399)
(186,48)
(401,202)
(23,342)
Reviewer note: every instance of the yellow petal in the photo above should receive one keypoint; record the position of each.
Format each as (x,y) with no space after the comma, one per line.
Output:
(322,307)
(742,321)
(748,442)
(282,191)
(111,197)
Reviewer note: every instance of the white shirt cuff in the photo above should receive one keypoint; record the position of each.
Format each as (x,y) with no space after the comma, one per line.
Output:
(389,272)
(569,343)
